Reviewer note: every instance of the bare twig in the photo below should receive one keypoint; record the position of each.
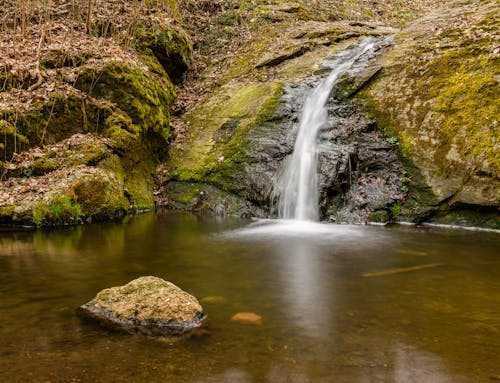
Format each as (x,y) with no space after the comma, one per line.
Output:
(89,17)
(23,18)
(39,76)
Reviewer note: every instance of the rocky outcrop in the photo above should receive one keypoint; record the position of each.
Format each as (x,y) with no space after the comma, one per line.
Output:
(149,306)
(438,95)
(425,151)
(239,136)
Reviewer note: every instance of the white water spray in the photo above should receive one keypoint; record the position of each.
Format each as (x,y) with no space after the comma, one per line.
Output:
(297,186)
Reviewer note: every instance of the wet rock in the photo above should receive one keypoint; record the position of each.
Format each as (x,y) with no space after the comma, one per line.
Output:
(149,306)
(247,318)
(354,159)
(206,199)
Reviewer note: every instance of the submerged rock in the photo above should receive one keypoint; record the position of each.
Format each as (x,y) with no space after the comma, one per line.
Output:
(247,318)
(149,306)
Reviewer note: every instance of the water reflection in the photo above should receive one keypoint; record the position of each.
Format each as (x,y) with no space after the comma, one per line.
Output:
(402,364)
(233,375)
(308,295)
(411,365)
(322,320)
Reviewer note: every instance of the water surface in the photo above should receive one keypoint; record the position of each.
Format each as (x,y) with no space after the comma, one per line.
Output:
(339,303)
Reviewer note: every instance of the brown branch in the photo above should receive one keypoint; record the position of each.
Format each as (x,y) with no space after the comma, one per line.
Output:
(37,58)
(89,17)
(23,18)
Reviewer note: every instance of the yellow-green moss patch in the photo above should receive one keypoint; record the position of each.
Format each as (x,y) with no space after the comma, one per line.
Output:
(219,132)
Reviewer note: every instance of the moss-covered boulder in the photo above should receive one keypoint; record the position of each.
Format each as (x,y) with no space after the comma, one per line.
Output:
(66,196)
(149,306)
(438,95)
(169,46)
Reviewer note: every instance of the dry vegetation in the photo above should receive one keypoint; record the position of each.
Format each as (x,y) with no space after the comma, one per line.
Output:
(35,31)
(43,42)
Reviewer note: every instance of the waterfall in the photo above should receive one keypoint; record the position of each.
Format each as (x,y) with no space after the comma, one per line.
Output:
(297,186)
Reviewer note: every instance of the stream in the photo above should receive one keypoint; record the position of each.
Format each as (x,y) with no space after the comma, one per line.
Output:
(339,303)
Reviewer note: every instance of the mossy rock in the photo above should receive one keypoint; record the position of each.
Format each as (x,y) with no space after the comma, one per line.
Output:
(58,118)
(11,141)
(438,94)
(143,101)
(468,216)
(60,59)
(58,211)
(207,199)
(100,196)
(149,306)
(169,46)
(379,216)
(220,135)
(6,213)
(79,149)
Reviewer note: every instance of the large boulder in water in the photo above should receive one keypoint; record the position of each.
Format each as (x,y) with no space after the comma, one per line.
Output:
(148,305)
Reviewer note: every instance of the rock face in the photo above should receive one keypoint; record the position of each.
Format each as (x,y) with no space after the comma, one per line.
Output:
(415,138)
(438,94)
(148,305)
(239,137)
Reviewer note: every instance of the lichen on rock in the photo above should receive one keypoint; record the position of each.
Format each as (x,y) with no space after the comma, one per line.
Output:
(438,94)
(149,306)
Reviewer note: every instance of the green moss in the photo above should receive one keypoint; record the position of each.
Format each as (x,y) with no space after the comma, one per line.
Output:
(100,196)
(60,117)
(86,153)
(143,102)
(6,213)
(44,165)
(122,102)
(164,50)
(139,182)
(395,211)
(220,135)
(468,216)
(379,216)
(135,173)
(61,210)
(468,104)
(11,141)
(138,126)
(61,59)
(122,132)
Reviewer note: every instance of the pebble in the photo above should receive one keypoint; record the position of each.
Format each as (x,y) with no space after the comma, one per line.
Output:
(247,318)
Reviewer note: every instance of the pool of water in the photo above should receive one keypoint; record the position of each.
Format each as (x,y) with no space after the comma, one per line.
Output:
(338,303)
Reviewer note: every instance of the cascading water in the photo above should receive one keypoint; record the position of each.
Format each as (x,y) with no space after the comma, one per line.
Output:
(297,186)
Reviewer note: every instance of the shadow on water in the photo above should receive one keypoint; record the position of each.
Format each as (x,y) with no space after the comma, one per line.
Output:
(339,303)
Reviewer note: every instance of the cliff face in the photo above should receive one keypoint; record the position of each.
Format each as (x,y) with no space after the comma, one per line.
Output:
(238,136)
(434,97)
(438,94)
(85,108)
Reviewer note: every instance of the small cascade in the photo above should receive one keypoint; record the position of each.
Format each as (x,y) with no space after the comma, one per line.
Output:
(297,187)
